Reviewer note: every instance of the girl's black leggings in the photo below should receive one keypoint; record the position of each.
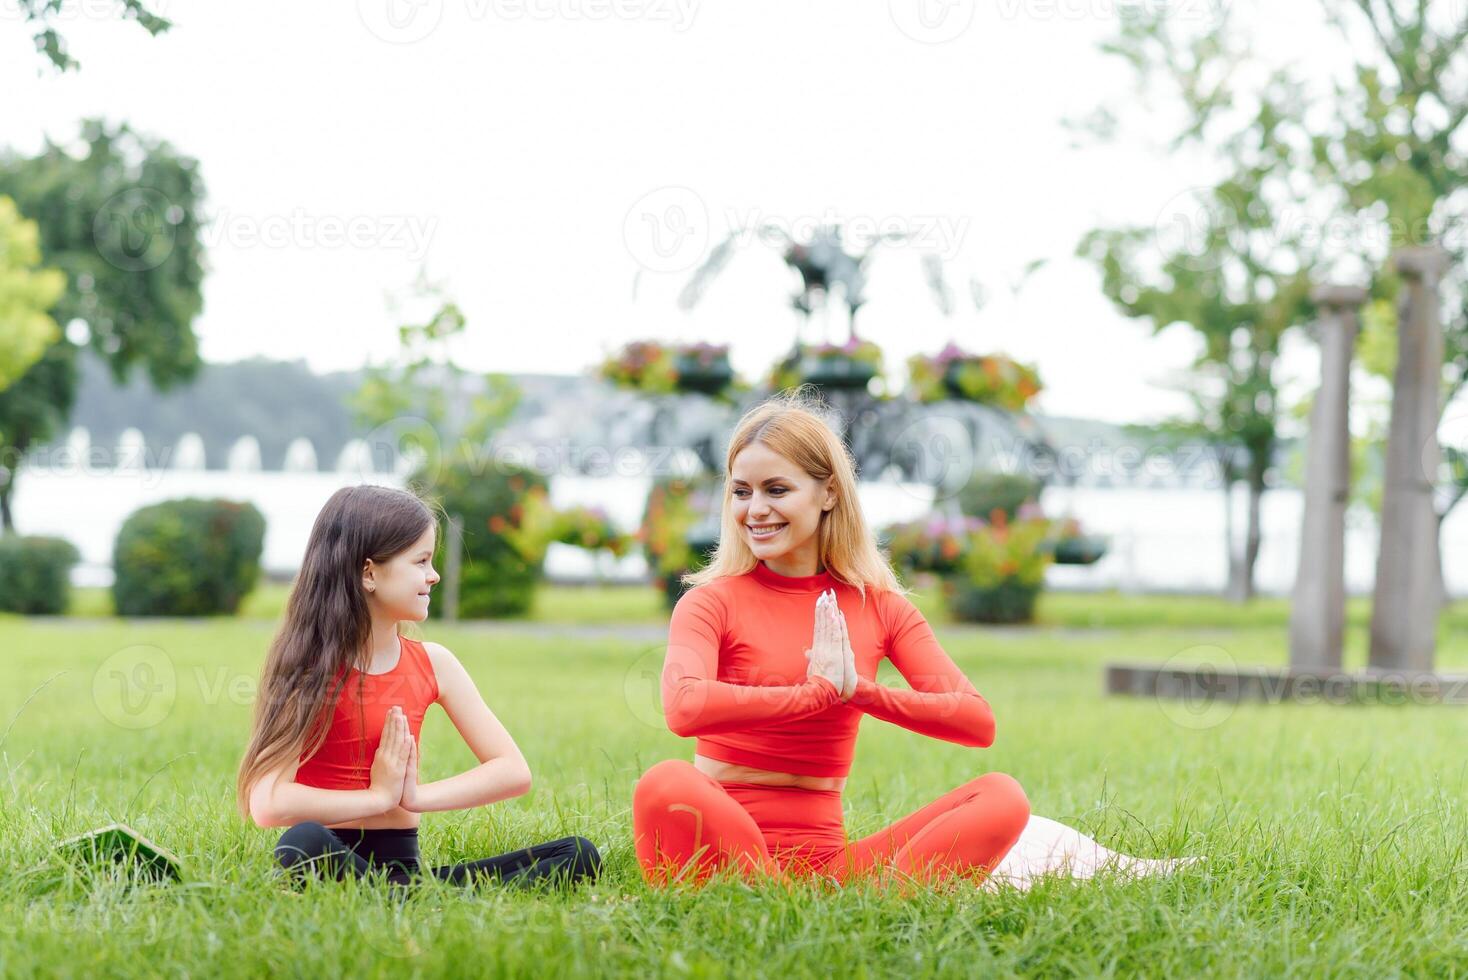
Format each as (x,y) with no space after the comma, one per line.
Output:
(310,848)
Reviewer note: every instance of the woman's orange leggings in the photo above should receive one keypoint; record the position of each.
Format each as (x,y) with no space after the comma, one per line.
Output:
(688,825)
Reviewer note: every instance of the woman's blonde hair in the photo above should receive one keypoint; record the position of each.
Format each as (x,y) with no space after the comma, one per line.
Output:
(790,425)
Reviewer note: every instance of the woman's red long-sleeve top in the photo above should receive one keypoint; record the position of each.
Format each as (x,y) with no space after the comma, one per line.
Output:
(735,674)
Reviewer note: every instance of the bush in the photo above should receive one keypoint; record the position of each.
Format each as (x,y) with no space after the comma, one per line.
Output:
(35,574)
(508,524)
(676,508)
(190,557)
(1000,572)
(1005,491)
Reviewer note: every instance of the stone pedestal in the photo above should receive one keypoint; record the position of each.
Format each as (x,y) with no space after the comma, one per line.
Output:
(1405,608)
(1318,611)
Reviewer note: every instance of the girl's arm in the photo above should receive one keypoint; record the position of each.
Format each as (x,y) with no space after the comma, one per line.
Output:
(942,702)
(502,772)
(277,800)
(696,703)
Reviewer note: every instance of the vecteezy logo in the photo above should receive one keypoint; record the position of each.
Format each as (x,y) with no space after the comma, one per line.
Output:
(937,450)
(1204,702)
(135,229)
(135,687)
(400,21)
(932,21)
(667,230)
(1196,230)
(642,687)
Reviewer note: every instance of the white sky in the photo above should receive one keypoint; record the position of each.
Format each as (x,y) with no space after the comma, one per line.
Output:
(512,147)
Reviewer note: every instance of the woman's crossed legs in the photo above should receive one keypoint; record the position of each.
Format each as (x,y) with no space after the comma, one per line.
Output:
(688,825)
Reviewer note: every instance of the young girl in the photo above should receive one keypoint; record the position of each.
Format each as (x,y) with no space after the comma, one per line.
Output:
(770,665)
(333,754)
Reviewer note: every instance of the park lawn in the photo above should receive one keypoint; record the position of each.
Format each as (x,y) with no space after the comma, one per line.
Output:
(1334,834)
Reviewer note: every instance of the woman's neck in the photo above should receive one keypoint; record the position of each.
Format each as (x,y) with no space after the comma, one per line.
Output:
(795,563)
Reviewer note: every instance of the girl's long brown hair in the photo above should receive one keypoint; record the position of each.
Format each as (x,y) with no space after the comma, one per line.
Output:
(789,424)
(327,625)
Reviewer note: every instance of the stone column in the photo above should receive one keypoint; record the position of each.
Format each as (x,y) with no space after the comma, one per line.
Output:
(1318,612)
(1405,607)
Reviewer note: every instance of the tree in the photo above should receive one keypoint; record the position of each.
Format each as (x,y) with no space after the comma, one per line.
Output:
(42,16)
(123,222)
(26,294)
(422,384)
(1349,171)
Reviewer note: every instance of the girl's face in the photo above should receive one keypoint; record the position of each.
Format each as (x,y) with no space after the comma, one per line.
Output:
(778,507)
(399,587)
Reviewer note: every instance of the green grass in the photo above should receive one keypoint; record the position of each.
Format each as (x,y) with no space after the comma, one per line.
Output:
(1335,834)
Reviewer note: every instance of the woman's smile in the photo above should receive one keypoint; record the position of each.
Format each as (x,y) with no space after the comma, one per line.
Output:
(761,532)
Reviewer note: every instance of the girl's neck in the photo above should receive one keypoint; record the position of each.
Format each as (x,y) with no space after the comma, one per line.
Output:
(382,647)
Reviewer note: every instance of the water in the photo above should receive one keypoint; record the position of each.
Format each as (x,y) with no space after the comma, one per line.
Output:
(1161,539)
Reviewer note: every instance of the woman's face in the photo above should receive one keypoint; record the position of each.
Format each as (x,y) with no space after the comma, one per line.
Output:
(399,587)
(778,506)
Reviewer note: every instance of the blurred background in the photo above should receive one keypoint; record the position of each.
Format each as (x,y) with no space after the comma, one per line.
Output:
(1049,265)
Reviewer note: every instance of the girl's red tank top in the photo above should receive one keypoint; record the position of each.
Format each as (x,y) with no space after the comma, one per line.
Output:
(344,760)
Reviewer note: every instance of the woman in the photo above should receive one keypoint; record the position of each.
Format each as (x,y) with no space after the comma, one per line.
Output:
(770,665)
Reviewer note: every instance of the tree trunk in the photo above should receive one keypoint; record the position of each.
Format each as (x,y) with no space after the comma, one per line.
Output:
(1443,599)
(7,520)
(1228,538)
(1253,538)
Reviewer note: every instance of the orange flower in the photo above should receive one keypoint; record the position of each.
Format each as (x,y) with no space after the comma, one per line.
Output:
(497,524)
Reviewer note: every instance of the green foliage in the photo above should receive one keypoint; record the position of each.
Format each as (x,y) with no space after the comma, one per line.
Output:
(675,508)
(35,574)
(820,363)
(188,557)
(1373,162)
(656,368)
(642,365)
(989,379)
(26,293)
(41,14)
(986,492)
(928,544)
(1004,552)
(589,528)
(123,222)
(419,389)
(506,519)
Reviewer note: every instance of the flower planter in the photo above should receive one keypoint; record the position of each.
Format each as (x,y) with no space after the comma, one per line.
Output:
(705,376)
(837,372)
(1083,550)
(1008,602)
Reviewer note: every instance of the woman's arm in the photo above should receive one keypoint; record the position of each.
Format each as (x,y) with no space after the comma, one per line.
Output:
(694,703)
(277,800)
(502,772)
(942,702)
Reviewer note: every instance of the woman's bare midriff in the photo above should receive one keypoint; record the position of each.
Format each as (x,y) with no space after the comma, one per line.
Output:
(728,772)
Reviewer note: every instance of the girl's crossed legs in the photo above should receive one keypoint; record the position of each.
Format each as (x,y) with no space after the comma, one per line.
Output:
(687,824)
(310,848)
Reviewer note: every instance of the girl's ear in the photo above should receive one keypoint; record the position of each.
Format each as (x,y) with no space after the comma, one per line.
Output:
(830,494)
(368,580)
